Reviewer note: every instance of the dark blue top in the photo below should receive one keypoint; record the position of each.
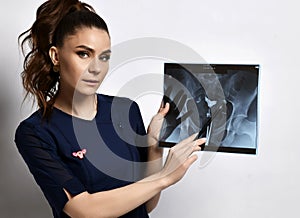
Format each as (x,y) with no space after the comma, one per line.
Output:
(54,150)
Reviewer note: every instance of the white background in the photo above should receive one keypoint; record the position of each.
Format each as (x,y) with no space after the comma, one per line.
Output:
(240,32)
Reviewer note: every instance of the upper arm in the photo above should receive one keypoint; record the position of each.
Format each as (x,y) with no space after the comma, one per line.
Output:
(50,172)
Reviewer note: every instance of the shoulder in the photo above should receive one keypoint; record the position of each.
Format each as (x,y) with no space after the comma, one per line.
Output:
(33,127)
(32,121)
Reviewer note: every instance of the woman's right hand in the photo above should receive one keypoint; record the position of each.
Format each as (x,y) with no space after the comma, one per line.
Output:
(119,201)
(179,159)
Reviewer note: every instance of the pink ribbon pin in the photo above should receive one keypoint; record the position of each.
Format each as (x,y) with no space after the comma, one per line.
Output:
(79,154)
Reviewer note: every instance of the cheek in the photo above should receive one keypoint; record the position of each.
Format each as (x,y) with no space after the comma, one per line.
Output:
(72,70)
(105,69)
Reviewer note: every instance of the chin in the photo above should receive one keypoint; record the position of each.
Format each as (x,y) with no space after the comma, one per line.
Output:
(85,91)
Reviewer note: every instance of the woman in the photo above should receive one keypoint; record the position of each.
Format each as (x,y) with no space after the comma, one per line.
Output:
(69,58)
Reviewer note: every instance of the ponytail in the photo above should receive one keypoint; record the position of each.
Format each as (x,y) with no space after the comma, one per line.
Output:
(38,77)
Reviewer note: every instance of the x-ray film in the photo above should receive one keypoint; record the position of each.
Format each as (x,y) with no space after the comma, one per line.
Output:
(216,101)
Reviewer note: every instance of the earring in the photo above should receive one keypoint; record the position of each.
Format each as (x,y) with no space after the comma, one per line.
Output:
(56,68)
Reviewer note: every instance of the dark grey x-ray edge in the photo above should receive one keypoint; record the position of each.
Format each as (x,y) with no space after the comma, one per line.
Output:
(217,101)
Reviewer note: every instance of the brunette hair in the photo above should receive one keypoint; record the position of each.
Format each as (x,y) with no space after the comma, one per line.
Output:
(55,19)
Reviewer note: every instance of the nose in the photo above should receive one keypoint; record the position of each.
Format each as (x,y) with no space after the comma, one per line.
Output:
(95,66)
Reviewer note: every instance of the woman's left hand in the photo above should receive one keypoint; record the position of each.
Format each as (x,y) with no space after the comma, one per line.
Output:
(155,126)
(155,153)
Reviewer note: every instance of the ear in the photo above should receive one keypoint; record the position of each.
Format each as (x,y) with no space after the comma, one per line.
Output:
(53,53)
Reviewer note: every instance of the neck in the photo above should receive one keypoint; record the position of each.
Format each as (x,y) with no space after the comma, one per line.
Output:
(78,105)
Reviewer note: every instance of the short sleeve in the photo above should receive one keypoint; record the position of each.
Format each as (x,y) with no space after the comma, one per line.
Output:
(52,175)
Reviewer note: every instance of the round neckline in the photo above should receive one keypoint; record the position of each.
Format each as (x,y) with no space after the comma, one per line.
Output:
(76,117)
(73,116)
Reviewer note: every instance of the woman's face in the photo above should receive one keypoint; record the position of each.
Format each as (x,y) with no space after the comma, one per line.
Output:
(83,60)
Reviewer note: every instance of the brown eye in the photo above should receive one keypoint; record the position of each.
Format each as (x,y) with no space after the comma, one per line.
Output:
(82,54)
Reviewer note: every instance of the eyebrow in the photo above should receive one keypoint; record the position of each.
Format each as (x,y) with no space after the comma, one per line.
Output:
(92,50)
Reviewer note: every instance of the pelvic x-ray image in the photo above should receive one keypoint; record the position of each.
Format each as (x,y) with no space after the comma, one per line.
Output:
(216,101)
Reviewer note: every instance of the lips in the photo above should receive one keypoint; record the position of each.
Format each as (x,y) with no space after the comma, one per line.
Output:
(90,81)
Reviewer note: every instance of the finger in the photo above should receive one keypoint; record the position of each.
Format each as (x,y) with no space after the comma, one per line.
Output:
(162,104)
(164,110)
(188,139)
(192,147)
(187,149)
(185,152)
(185,161)
(182,155)
(190,160)
(200,141)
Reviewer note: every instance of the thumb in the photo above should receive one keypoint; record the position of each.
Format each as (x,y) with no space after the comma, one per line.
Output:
(164,109)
